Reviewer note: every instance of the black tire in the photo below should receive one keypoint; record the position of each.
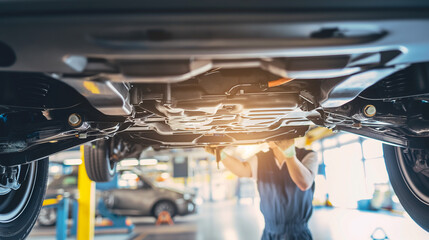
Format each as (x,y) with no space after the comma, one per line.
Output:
(19,208)
(164,205)
(47,217)
(411,188)
(98,165)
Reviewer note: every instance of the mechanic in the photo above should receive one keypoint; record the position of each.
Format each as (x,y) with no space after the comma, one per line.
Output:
(285,179)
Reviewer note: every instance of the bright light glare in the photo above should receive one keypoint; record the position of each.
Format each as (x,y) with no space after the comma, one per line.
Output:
(247,151)
(131,162)
(199,201)
(73,161)
(149,161)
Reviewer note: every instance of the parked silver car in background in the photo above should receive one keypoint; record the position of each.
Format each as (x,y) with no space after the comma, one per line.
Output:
(141,197)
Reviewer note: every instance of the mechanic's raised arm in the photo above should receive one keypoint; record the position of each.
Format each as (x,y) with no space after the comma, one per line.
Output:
(302,173)
(237,167)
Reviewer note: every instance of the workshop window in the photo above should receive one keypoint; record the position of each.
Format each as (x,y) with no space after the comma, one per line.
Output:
(345,174)
(330,142)
(375,168)
(372,149)
(354,167)
(346,138)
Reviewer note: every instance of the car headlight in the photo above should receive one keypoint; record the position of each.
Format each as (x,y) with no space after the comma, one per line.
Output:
(187,196)
(191,207)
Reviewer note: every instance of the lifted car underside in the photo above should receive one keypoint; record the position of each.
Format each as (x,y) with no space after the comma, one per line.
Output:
(209,79)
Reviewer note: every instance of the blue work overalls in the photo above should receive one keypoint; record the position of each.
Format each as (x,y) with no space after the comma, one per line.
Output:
(285,207)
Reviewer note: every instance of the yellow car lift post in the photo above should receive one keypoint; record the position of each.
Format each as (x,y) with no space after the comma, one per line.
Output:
(86,214)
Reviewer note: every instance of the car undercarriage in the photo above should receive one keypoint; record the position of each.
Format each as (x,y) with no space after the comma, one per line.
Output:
(169,80)
(189,85)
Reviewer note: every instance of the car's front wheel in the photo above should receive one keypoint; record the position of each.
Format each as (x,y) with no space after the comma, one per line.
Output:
(410,180)
(20,203)
(164,206)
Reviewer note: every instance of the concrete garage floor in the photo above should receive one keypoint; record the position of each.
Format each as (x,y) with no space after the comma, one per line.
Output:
(227,220)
